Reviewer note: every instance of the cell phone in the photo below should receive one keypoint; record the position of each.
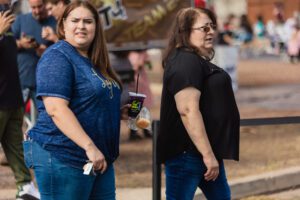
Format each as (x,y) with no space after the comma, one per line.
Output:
(4,7)
(31,39)
(12,8)
(88,169)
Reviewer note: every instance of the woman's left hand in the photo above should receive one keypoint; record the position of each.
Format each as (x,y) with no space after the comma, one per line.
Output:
(96,157)
(124,111)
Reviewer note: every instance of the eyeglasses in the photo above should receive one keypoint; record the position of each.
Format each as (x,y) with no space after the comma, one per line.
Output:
(206,28)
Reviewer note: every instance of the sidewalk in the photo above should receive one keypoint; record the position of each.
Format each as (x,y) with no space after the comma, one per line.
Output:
(252,185)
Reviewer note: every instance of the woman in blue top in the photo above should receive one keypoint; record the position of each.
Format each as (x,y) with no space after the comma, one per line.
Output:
(79,112)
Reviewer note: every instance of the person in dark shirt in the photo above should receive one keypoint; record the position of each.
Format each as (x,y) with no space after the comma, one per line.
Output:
(11,106)
(226,35)
(199,120)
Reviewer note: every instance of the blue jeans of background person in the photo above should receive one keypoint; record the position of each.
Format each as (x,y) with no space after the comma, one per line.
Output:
(59,181)
(185,173)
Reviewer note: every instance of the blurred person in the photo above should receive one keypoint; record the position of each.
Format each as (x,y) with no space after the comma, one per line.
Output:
(139,59)
(11,106)
(226,34)
(121,64)
(245,37)
(260,43)
(277,35)
(278,10)
(280,34)
(271,35)
(294,44)
(27,30)
(259,27)
(79,112)
(245,34)
(55,8)
(291,23)
(198,132)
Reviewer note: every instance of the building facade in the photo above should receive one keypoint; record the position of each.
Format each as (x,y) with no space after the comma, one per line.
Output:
(269,8)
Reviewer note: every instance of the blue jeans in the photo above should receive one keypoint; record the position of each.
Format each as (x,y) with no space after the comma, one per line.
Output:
(56,180)
(185,173)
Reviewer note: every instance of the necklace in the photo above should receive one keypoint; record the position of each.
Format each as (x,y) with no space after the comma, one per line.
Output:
(107,83)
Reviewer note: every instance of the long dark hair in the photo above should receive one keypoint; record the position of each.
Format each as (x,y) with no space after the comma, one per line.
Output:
(244,23)
(97,51)
(182,28)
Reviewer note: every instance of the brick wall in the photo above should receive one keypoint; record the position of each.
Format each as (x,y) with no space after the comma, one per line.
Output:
(266,7)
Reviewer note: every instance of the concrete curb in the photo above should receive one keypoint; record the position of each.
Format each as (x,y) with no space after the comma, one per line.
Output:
(265,183)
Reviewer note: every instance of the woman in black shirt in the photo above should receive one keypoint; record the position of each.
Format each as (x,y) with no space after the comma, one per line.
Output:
(199,116)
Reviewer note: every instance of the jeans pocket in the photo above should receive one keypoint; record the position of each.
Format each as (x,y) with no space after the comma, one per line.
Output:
(27,146)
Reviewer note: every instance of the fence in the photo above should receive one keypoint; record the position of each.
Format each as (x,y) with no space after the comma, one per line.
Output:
(156,168)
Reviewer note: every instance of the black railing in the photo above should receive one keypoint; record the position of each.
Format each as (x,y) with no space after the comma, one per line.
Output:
(156,169)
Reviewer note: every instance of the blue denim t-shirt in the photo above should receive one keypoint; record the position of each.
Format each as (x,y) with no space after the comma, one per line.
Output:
(62,72)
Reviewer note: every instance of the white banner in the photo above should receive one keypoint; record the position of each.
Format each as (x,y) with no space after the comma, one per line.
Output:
(226,57)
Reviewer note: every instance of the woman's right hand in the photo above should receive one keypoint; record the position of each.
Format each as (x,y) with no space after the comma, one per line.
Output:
(96,157)
(212,166)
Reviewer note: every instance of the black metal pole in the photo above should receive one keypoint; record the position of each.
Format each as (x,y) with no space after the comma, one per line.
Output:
(156,167)
(270,121)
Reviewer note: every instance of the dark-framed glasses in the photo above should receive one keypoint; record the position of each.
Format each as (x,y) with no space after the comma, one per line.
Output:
(206,28)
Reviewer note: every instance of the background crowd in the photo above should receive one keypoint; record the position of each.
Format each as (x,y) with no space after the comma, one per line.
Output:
(277,36)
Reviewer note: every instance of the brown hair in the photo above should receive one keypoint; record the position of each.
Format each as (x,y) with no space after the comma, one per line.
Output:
(97,51)
(65,2)
(182,28)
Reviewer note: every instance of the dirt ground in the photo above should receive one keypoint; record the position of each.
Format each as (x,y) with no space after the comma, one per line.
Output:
(263,148)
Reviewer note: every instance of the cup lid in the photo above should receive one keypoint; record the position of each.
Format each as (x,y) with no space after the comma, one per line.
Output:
(137,94)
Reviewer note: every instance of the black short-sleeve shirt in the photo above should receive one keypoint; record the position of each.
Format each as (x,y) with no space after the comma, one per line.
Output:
(10,89)
(217,105)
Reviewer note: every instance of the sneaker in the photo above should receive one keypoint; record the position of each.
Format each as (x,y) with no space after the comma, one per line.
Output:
(27,192)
